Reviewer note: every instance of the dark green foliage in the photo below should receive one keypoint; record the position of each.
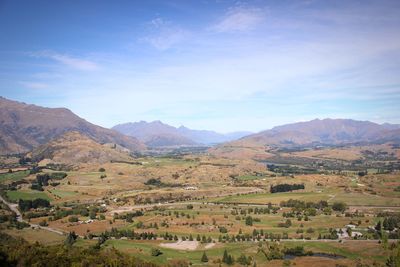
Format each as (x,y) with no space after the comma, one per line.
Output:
(249,220)
(42,179)
(71,238)
(223,230)
(25,205)
(227,258)
(102,170)
(243,260)
(286,224)
(154,182)
(36,186)
(339,206)
(204,258)
(155,252)
(298,251)
(285,187)
(73,219)
(58,175)
(17,252)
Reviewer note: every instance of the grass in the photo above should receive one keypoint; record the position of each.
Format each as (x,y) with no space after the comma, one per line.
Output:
(63,194)
(366,199)
(142,249)
(276,198)
(14,176)
(37,235)
(26,195)
(250,177)
(350,250)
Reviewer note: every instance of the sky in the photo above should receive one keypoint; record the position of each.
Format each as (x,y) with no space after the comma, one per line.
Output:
(216,65)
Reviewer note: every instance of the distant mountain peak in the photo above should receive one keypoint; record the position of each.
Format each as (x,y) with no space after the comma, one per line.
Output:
(157,133)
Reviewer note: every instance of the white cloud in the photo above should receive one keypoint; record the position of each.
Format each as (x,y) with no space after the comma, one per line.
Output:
(70,61)
(239,19)
(34,85)
(164,35)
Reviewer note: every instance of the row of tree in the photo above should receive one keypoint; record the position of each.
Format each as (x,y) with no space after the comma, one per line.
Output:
(285,187)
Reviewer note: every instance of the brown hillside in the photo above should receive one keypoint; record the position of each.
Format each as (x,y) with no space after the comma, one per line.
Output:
(74,148)
(24,127)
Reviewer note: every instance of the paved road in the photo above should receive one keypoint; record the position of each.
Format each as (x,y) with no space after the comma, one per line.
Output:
(14,208)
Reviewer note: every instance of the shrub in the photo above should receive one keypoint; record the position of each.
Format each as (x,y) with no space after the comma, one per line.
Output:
(339,206)
(73,219)
(155,252)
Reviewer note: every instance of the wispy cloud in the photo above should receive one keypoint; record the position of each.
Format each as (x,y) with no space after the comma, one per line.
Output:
(34,85)
(164,35)
(70,61)
(239,19)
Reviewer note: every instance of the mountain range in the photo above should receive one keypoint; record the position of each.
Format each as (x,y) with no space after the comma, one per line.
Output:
(327,132)
(158,134)
(24,127)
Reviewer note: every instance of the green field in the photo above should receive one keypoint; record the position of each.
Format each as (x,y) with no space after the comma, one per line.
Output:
(144,247)
(26,195)
(14,176)
(63,194)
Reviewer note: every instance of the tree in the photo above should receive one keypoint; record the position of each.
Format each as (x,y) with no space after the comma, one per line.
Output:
(225,256)
(73,219)
(102,170)
(230,260)
(155,252)
(249,220)
(92,215)
(204,257)
(339,206)
(243,260)
(71,238)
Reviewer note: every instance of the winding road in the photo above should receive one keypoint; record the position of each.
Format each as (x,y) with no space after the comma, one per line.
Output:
(14,208)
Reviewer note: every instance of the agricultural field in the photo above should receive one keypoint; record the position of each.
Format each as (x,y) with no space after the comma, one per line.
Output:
(174,210)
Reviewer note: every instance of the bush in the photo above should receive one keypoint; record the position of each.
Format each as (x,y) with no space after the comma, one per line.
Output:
(155,252)
(43,223)
(25,205)
(73,219)
(102,170)
(339,206)
(249,220)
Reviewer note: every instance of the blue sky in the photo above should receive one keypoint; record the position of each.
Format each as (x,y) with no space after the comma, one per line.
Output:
(218,65)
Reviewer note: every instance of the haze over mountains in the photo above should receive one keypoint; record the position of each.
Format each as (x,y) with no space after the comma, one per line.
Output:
(156,134)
